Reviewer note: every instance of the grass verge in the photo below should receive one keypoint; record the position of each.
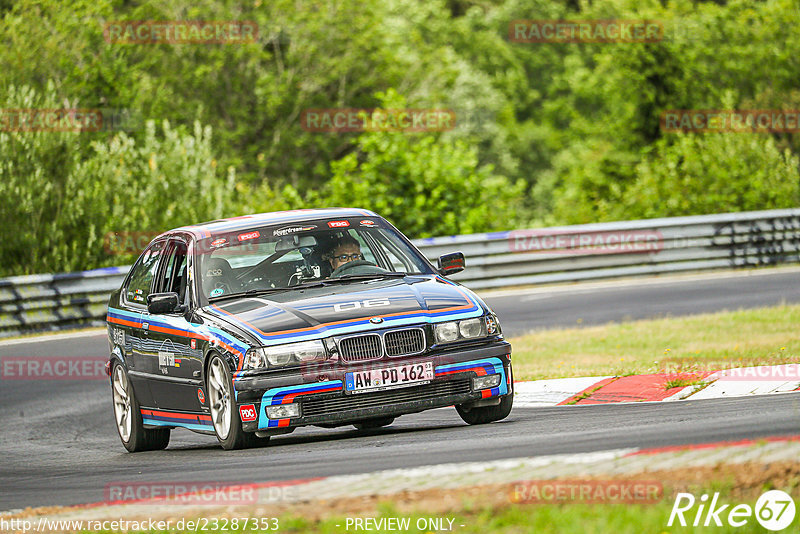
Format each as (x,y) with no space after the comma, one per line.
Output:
(761,336)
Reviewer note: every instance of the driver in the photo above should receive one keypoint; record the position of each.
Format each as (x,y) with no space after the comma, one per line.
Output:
(345,250)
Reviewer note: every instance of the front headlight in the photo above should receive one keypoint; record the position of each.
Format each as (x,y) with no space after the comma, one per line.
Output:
(458,330)
(282,355)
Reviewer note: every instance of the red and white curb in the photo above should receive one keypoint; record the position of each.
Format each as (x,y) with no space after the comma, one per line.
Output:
(760,380)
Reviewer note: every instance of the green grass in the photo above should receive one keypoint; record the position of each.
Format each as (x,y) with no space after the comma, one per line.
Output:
(763,336)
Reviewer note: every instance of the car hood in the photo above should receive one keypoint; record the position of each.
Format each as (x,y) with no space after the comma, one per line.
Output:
(315,313)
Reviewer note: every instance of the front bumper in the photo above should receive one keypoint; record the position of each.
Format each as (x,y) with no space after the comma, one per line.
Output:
(324,401)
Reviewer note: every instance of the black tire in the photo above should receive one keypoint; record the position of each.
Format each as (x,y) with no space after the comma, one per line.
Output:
(235,437)
(378,422)
(139,438)
(487,414)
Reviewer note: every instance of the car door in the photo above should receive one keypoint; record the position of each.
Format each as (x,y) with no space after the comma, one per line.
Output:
(179,362)
(136,327)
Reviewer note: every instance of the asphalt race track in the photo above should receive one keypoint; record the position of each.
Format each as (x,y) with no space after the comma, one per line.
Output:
(58,442)
(641,299)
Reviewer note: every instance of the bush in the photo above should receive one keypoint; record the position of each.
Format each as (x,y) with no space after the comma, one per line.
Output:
(63,193)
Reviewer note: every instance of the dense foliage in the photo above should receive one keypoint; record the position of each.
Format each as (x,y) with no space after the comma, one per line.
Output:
(547,133)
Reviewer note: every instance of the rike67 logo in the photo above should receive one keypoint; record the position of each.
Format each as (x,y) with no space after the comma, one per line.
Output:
(774,510)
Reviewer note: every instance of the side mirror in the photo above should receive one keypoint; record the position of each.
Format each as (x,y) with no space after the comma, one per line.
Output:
(451,263)
(158,303)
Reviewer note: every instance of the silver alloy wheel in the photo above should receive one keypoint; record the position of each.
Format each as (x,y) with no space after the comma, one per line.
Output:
(220,392)
(122,403)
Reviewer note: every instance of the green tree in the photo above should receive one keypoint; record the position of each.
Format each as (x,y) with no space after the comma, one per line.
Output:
(424,185)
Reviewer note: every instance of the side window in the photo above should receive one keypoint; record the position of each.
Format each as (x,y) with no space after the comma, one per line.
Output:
(141,278)
(400,262)
(174,277)
(397,264)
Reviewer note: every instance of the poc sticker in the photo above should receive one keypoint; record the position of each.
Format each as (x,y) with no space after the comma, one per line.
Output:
(214,272)
(219,242)
(366,222)
(248,236)
(338,224)
(248,412)
(292,230)
(216,292)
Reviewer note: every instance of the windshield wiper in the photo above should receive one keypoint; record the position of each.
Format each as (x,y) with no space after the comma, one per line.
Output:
(371,276)
(249,293)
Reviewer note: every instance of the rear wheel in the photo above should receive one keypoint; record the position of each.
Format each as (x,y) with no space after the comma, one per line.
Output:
(227,424)
(486,414)
(374,423)
(128,416)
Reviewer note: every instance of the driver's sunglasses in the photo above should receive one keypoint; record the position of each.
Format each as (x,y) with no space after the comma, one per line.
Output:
(349,257)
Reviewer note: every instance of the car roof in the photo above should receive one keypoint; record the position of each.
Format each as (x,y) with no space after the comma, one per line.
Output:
(211,228)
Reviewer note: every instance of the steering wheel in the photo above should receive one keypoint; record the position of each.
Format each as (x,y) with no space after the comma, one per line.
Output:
(351,266)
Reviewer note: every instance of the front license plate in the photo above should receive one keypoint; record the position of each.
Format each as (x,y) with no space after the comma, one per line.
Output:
(389,378)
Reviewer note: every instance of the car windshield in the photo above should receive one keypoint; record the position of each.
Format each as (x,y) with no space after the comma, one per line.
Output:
(279,258)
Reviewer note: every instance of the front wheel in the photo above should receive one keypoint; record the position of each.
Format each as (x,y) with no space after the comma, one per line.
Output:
(128,416)
(227,424)
(486,414)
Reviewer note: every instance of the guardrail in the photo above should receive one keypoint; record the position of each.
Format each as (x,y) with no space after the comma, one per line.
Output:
(494,260)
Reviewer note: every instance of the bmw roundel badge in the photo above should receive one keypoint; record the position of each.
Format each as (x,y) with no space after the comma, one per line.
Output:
(376,320)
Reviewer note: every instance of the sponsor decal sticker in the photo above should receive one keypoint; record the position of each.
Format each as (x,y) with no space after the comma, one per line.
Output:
(366,222)
(358,304)
(217,292)
(200,395)
(249,235)
(292,230)
(248,412)
(167,359)
(219,242)
(193,343)
(338,224)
